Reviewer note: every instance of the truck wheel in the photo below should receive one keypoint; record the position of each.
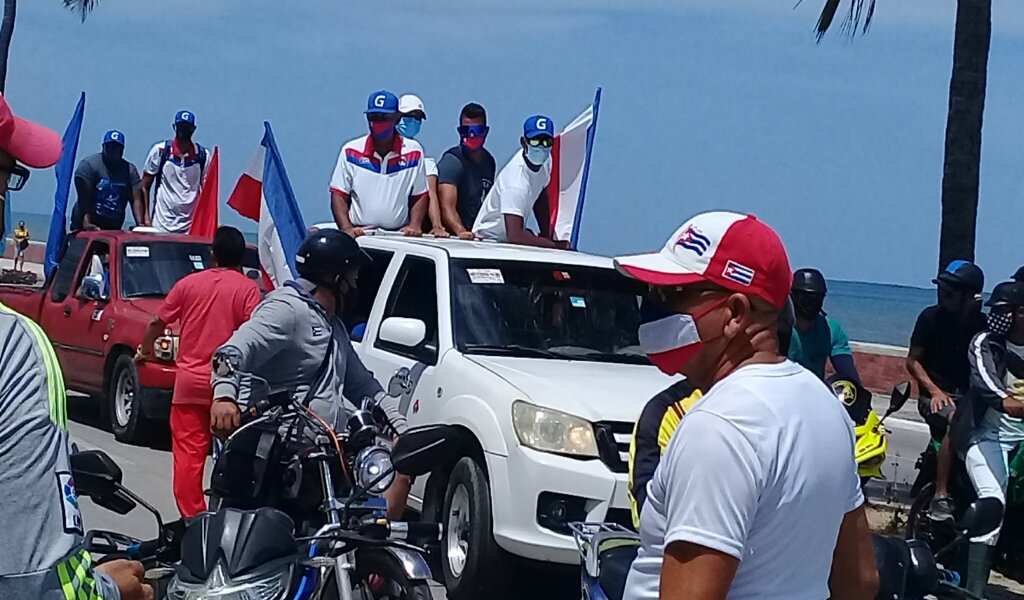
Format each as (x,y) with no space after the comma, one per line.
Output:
(126,418)
(473,564)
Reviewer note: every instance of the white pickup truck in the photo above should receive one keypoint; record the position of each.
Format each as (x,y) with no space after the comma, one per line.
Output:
(533,354)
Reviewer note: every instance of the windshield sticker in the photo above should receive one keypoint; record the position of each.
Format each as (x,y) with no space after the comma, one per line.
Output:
(137,251)
(561,276)
(198,264)
(195,258)
(578,301)
(485,275)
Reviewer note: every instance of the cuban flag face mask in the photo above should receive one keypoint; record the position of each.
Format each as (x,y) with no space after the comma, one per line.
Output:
(670,339)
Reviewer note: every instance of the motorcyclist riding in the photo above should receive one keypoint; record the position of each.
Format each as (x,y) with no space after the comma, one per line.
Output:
(297,342)
(988,424)
(818,338)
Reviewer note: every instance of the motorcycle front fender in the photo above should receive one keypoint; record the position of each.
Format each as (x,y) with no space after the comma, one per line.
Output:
(413,562)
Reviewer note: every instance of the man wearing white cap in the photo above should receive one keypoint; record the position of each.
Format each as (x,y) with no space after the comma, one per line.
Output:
(413,114)
(757,494)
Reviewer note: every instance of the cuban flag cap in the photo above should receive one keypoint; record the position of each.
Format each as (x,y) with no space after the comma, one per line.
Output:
(734,251)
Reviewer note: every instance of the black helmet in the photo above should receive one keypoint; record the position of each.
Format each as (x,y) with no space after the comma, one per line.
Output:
(964,275)
(810,281)
(1007,293)
(1019,275)
(326,253)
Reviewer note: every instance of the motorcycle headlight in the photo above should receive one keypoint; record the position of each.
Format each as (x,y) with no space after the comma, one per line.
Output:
(552,431)
(371,463)
(220,586)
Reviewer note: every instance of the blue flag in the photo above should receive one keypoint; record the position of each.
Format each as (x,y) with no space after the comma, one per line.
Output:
(281,204)
(65,172)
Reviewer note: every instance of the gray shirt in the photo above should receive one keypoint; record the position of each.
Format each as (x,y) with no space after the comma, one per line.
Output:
(104,191)
(39,517)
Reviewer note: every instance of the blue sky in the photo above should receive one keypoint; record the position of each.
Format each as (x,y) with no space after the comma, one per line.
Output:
(707,104)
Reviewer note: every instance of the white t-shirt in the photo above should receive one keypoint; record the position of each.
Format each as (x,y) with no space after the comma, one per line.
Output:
(514,192)
(761,469)
(429,166)
(380,188)
(176,195)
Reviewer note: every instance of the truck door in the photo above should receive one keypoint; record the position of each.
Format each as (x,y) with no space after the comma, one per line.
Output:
(77,325)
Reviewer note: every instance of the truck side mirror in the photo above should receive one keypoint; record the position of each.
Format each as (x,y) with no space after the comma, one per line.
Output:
(401,331)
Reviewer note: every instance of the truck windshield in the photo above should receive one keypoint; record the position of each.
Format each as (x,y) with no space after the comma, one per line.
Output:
(540,310)
(149,270)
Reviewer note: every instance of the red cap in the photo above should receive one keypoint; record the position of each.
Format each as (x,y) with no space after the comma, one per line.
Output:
(736,252)
(30,143)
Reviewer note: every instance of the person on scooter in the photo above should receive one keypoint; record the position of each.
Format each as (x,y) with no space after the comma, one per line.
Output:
(988,424)
(937,361)
(728,502)
(296,341)
(818,338)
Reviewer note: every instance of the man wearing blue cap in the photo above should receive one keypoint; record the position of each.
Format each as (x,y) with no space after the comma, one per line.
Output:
(106,183)
(177,167)
(522,187)
(379,181)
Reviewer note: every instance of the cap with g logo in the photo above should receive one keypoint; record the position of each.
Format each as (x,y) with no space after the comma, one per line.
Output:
(185,116)
(113,137)
(538,125)
(382,101)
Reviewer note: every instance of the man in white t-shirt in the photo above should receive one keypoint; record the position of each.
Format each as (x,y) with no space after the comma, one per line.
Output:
(757,494)
(177,167)
(521,188)
(379,181)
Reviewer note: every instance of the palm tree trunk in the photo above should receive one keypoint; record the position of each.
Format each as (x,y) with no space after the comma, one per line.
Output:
(6,33)
(963,130)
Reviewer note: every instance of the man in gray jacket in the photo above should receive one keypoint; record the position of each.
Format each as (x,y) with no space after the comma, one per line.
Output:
(295,340)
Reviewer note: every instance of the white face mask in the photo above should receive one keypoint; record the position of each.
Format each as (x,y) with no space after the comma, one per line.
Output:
(537,155)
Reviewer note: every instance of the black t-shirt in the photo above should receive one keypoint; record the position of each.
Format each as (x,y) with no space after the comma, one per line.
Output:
(104,191)
(474,180)
(944,340)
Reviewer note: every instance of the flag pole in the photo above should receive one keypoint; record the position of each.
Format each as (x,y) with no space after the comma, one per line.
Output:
(591,134)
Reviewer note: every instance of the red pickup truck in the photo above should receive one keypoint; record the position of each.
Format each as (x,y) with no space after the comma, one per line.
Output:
(95,309)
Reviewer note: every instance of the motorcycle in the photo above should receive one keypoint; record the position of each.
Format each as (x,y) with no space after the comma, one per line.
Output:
(907,569)
(869,430)
(98,478)
(298,512)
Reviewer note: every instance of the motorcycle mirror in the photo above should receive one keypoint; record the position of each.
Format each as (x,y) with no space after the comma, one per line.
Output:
(97,477)
(982,516)
(422,449)
(899,397)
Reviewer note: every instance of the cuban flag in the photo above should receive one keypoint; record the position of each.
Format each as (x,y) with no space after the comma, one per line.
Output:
(264,194)
(570,167)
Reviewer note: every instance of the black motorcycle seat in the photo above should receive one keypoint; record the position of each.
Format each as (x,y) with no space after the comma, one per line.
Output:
(614,567)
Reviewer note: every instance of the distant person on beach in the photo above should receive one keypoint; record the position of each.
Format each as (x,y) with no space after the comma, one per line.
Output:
(413,113)
(21,236)
(174,170)
(209,305)
(937,361)
(465,173)
(379,181)
(818,338)
(106,184)
(520,189)
(45,555)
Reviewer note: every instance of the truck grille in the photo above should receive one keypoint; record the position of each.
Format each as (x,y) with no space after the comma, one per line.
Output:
(613,444)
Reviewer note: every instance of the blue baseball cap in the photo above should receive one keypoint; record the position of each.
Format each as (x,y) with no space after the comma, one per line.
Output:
(185,116)
(538,125)
(113,137)
(382,101)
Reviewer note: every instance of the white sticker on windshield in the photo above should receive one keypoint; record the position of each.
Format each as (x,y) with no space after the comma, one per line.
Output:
(137,251)
(195,258)
(198,264)
(485,275)
(578,301)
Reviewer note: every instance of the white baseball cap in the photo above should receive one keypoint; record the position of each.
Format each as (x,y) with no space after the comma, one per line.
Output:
(409,103)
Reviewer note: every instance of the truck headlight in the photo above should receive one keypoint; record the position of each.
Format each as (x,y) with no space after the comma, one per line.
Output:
(552,431)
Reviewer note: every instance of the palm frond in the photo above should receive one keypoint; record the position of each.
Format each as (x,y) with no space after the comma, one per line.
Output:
(81,7)
(858,17)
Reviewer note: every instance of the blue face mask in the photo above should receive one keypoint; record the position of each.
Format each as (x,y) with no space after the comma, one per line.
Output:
(537,155)
(408,127)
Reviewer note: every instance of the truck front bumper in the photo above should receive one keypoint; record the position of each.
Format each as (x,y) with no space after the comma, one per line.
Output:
(156,387)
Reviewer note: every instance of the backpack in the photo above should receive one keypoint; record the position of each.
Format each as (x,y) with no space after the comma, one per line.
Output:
(165,154)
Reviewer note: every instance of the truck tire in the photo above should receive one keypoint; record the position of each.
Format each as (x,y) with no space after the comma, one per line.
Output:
(473,564)
(126,419)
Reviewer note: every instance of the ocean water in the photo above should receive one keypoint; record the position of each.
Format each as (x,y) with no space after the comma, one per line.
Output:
(870,312)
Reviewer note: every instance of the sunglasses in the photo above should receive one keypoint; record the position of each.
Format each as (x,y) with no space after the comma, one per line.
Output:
(473,131)
(17,177)
(545,142)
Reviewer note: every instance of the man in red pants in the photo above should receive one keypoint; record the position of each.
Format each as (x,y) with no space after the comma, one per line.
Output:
(209,305)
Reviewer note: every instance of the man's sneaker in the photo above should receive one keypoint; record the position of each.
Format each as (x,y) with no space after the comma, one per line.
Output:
(941,509)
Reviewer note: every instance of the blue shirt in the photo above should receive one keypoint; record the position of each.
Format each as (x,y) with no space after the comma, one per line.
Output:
(812,348)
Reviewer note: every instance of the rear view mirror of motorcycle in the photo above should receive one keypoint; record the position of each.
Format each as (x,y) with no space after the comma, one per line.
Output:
(97,477)
(899,397)
(423,449)
(983,516)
